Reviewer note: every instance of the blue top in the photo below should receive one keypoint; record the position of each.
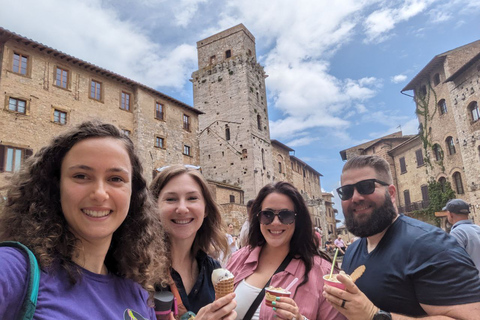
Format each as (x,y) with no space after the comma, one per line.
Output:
(414,263)
(468,236)
(94,296)
(202,292)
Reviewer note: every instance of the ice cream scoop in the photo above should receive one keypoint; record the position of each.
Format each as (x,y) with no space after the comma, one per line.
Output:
(222,280)
(220,274)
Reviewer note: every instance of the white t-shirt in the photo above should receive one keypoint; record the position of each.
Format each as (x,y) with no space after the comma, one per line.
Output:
(245,295)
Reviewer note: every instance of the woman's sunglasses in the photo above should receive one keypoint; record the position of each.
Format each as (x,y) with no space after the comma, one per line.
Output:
(363,187)
(285,216)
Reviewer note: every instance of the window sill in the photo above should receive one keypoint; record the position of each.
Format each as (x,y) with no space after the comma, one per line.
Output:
(129,110)
(62,88)
(28,75)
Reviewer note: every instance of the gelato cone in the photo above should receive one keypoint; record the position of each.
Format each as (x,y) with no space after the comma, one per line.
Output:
(222,280)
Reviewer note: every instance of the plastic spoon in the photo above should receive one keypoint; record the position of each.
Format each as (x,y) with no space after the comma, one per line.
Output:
(291,284)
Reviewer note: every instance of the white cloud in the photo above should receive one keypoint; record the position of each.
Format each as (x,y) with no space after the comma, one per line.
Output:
(399,78)
(185,10)
(302,141)
(381,21)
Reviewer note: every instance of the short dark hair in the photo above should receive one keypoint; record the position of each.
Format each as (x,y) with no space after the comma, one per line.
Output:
(380,165)
(33,214)
(304,244)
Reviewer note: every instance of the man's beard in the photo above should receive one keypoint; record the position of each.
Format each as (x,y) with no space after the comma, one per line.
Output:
(379,219)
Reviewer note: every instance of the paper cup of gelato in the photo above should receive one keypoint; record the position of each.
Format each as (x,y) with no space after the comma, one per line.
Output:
(333,282)
(271,293)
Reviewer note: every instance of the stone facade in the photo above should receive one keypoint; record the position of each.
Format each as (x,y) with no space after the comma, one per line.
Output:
(410,171)
(52,107)
(235,144)
(234,131)
(448,87)
(447,94)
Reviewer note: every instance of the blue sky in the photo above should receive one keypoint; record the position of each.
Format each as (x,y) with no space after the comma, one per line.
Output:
(335,68)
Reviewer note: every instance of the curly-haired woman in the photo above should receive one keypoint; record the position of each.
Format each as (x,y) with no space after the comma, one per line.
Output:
(82,206)
(280,228)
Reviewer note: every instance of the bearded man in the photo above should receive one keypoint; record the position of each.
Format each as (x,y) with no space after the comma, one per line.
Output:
(413,269)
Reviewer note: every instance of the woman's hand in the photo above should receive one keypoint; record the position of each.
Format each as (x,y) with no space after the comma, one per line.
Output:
(223,308)
(286,308)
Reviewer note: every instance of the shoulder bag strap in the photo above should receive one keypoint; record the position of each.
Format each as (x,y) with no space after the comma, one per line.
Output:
(261,295)
(30,301)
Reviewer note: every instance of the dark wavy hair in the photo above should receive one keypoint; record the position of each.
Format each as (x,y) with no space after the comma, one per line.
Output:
(211,236)
(33,214)
(304,244)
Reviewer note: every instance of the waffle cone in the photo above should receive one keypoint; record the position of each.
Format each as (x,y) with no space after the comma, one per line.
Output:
(223,287)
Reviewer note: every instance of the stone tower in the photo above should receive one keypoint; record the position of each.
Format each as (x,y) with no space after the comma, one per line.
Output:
(229,87)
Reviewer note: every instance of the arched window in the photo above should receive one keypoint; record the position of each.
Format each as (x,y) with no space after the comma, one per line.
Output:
(457,178)
(450,145)
(443,183)
(280,163)
(259,122)
(437,151)
(442,106)
(475,113)
(436,79)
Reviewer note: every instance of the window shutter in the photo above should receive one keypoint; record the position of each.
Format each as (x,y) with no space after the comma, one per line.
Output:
(2,157)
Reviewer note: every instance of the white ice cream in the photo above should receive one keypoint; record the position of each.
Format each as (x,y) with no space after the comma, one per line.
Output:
(220,274)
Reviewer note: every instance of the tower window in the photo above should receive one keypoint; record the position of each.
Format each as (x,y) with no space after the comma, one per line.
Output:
(186,150)
(227,133)
(442,106)
(450,145)
(228,54)
(259,122)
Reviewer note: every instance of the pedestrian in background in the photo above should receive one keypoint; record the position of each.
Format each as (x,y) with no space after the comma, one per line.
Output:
(465,231)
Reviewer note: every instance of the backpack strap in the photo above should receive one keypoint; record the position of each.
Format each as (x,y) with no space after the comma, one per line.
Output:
(30,301)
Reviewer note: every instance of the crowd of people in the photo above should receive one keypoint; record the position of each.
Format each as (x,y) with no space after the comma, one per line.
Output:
(105,242)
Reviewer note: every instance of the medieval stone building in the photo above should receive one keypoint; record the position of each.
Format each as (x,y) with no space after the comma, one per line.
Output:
(46,91)
(446,92)
(236,149)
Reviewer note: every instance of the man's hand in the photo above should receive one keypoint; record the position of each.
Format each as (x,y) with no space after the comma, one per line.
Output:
(356,305)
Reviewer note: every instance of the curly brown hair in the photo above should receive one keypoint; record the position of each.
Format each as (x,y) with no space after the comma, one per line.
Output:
(211,236)
(33,214)
(304,244)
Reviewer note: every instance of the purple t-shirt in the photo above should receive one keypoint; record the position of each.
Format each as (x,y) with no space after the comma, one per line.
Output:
(94,296)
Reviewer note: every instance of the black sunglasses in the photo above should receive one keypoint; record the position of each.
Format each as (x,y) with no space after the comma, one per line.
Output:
(363,187)
(285,216)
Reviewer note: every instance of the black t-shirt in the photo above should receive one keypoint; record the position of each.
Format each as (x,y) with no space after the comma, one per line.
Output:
(414,263)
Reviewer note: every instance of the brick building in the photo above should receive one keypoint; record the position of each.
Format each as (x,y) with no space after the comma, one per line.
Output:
(46,91)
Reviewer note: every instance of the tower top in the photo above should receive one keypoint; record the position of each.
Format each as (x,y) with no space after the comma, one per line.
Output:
(226,33)
(229,45)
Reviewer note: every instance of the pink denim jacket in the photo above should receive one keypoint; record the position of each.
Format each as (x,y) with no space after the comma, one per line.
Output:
(308,297)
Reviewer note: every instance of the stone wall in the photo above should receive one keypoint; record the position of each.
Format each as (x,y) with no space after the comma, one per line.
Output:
(36,128)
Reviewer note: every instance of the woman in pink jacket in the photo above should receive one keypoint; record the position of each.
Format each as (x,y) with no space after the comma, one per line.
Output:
(281,226)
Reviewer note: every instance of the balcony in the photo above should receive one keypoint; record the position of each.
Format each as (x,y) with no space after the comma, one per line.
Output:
(414,206)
